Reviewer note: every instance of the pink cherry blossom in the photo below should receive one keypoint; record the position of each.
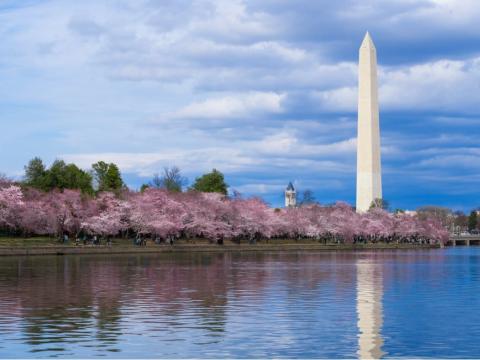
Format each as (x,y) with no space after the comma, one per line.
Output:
(11,203)
(160,214)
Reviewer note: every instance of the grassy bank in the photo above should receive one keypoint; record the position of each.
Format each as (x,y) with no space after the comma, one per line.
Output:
(49,246)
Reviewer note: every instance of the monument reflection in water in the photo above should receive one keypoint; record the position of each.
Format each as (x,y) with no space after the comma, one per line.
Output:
(369,309)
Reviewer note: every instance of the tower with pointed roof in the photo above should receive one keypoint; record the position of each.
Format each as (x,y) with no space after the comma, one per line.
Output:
(290,196)
(369,172)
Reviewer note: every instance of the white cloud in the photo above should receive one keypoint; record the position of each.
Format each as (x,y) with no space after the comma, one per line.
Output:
(260,188)
(276,151)
(438,85)
(286,143)
(233,106)
(194,161)
(231,20)
(451,13)
(257,88)
(452,161)
(341,99)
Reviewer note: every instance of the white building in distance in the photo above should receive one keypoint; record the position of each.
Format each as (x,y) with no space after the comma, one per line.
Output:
(369,172)
(290,196)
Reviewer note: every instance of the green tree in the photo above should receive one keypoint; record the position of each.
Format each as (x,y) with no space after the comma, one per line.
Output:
(107,176)
(472,220)
(211,182)
(35,173)
(77,178)
(99,172)
(67,176)
(59,176)
(113,180)
(56,176)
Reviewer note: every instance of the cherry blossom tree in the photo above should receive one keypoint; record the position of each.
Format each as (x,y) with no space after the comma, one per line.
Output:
(213,216)
(11,203)
(111,216)
(156,212)
(209,216)
(251,219)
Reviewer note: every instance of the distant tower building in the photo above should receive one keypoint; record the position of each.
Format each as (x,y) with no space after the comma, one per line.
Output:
(369,172)
(290,196)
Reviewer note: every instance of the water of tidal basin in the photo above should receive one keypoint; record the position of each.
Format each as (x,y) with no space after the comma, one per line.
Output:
(416,303)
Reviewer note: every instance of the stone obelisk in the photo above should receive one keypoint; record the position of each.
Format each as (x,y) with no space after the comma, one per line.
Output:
(369,172)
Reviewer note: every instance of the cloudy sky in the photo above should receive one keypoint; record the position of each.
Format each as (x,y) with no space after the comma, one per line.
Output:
(264,91)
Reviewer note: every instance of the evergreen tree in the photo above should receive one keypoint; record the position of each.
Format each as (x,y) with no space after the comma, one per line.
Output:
(59,176)
(35,173)
(99,172)
(67,176)
(211,182)
(107,176)
(113,180)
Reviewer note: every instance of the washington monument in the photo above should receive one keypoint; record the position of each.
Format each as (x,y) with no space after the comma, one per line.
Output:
(369,172)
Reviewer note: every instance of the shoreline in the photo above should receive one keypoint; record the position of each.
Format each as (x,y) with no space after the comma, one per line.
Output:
(198,248)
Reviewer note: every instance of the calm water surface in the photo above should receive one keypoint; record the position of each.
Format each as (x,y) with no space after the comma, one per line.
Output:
(345,304)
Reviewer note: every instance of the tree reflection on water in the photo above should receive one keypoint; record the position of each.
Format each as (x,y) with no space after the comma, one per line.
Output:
(324,304)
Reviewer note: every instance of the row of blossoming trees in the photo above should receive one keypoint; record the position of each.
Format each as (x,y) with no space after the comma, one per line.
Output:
(163,215)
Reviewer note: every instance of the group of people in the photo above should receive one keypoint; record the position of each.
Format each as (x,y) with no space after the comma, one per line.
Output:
(142,241)
(84,239)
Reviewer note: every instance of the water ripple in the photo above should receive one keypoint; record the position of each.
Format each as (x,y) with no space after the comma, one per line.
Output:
(300,305)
